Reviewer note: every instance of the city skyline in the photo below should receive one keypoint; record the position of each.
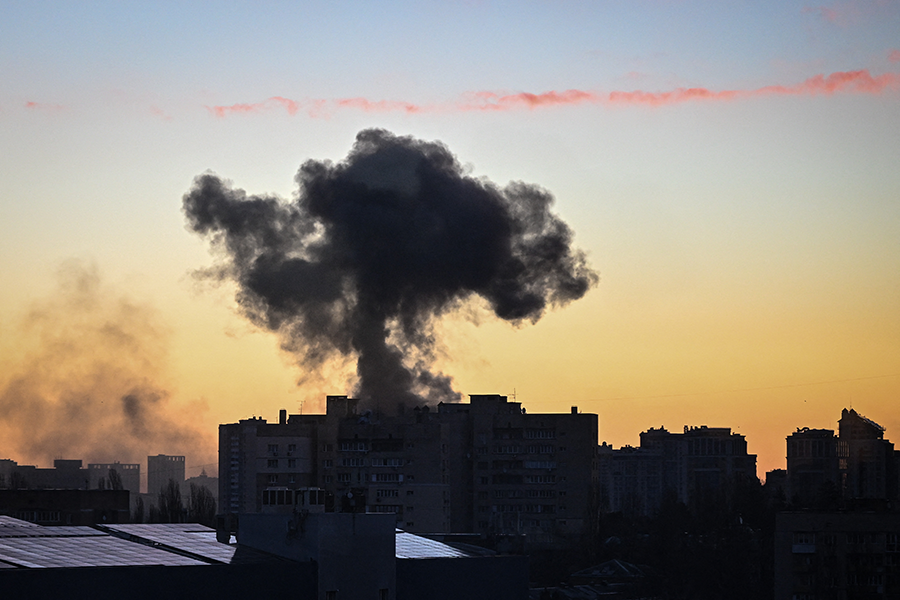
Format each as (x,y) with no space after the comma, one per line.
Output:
(729,171)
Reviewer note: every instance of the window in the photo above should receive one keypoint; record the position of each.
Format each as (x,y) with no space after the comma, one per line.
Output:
(540,479)
(292,463)
(331,595)
(272,463)
(353,462)
(386,493)
(273,479)
(540,434)
(540,464)
(273,449)
(327,463)
(387,462)
(344,477)
(386,477)
(292,447)
(383,592)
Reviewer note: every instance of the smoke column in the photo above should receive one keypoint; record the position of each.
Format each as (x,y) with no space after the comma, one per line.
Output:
(376,247)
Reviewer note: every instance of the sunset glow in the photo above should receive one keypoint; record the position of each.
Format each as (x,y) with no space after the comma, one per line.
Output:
(730,174)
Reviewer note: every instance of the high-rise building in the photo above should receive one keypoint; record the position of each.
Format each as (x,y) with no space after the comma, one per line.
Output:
(867,459)
(858,464)
(697,465)
(484,467)
(255,456)
(812,463)
(160,469)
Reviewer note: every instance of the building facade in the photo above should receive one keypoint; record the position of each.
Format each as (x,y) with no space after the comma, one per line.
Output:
(856,465)
(698,465)
(485,466)
(255,455)
(837,555)
(160,469)
(128,473)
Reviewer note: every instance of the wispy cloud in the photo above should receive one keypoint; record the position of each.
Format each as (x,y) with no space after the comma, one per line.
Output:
(894,55)
(31,105)
(158,112)
(840,82)
(841,15)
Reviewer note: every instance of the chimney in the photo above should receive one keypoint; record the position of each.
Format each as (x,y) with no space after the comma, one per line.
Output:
(574,410)
(282,417)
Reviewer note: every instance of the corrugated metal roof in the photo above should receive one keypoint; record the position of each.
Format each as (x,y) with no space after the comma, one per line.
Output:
(409,545)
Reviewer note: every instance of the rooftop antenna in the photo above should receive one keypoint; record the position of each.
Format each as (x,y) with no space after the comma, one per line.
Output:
(514,394)
(301,407)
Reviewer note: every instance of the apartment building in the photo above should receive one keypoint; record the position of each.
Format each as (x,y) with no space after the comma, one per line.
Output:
(694,466)
(160,469)
(485,466)
(255,455)
(858,464)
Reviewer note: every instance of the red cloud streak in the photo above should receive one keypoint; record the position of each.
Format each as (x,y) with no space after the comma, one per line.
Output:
(848,82)
(42,106)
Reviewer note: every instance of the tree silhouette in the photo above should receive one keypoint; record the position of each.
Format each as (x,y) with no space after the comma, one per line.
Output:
(115,480)
(138,515)
(170,507)
(201,506)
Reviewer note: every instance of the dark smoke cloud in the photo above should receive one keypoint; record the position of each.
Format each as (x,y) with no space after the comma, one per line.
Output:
(373,249)
(85,382)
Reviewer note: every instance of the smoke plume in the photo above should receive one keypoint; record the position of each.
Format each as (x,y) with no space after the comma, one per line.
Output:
(84,383)
(374,249)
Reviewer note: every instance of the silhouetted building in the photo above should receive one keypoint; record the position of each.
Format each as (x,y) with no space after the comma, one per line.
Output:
(160,469)
(485,467)
(870,466)
(65,474)
(812,462)
(255,455)
(698,465)
(128,473)
(632,479)
(857,465)
(830,555)
(66,506)
(201,480)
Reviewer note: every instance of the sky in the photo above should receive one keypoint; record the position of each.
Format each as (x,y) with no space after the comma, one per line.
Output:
(731,170)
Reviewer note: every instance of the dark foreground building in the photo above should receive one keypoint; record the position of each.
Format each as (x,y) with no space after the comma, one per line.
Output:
(140,562)
(837,555)
(66,507)
(295,554)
